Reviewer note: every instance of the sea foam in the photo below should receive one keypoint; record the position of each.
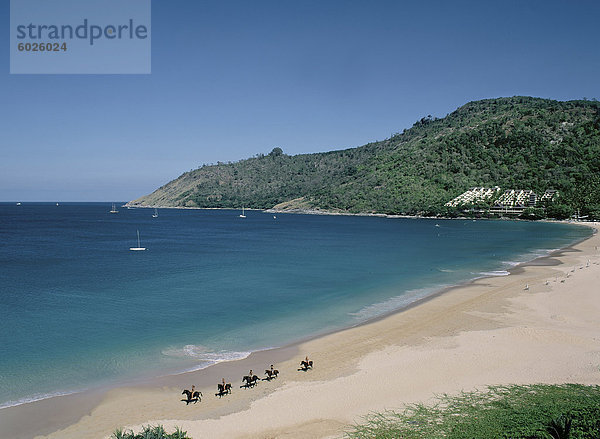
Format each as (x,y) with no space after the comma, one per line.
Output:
(393,303)
(495,273)
(204,356)
(34,398)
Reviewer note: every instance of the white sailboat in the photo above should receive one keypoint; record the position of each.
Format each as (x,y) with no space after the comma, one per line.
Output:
(242,215)
(139,247)
(155,214)
(114,209)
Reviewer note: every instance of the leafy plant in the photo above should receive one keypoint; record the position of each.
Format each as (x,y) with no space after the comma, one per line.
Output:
(560,428)
(150,432)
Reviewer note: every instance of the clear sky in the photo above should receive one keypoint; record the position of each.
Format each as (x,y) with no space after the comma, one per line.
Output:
(231,79)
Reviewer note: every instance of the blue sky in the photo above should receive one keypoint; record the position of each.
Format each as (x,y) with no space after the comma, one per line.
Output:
(231,79)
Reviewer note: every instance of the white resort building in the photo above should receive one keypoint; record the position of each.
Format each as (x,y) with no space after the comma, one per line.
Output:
(473,196)
(511,201)
(549,195)
(517,198)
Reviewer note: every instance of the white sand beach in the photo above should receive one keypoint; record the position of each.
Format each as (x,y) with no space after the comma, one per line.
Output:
(538,325)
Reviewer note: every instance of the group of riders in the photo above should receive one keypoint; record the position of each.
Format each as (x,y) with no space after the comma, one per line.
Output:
(251,379)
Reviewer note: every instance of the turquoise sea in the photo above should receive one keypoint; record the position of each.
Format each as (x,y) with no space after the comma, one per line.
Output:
(79,310)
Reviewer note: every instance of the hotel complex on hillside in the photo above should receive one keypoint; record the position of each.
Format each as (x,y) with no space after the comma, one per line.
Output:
(510,201)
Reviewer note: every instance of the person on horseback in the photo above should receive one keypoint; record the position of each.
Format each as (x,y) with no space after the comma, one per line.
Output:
(223,387)
(306,364)
(191,395)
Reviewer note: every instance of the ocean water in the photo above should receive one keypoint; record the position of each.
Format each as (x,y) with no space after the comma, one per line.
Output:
(79,310)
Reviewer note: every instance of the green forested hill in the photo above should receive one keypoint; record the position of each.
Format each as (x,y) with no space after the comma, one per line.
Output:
(518,142)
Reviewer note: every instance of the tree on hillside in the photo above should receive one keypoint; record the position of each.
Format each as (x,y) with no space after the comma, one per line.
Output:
(276,152)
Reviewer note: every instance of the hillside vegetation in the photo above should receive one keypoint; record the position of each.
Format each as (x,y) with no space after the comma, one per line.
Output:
(518,142)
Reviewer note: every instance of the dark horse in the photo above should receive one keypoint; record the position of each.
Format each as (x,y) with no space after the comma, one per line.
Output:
(250,381)
(223,390)
(191,397)
(271,374)
(306,365)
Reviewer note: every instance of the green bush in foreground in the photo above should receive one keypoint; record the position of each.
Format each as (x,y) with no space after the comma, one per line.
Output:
(149,432)
(531,411)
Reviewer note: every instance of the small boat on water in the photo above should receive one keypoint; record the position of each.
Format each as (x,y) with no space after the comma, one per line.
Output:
(139,247)
(155,214)
(18,204)
(242,215)
(114,209)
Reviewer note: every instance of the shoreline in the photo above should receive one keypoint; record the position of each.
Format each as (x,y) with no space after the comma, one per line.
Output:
(70,408)
(279,211)
(362,214)
(435,292)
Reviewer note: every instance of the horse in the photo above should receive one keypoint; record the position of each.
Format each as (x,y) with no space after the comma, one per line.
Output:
(196,396)
(223,390)
(250,381)
(305,366)
(271,374)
